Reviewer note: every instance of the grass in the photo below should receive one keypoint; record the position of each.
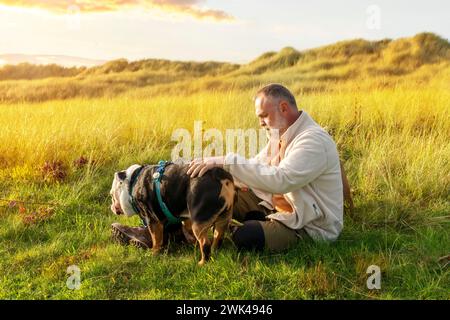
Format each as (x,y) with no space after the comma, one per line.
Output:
(392,131)
(397,164)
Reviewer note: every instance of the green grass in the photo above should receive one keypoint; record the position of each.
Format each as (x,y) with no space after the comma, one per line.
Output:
(386,104)
(35,258)
(396,152)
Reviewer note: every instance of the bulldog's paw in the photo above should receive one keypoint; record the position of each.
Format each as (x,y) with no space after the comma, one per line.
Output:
(156,251)
(201,263)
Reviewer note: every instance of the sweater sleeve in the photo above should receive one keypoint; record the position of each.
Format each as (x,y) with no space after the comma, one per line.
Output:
(305,161)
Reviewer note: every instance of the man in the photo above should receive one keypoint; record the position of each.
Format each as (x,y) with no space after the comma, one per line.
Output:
(297,187)
(292,189)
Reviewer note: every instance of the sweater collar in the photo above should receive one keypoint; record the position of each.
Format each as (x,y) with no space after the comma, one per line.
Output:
(303,121)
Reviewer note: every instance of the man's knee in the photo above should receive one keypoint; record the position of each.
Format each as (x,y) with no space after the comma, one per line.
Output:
(247,206)
(250,236)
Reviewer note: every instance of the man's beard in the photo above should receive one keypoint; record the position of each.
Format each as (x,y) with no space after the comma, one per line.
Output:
(280,128)
(272,134)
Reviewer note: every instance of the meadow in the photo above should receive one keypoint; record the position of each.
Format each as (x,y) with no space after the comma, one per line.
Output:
(386,104)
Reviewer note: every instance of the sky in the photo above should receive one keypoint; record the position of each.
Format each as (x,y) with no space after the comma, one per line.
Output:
(199,30)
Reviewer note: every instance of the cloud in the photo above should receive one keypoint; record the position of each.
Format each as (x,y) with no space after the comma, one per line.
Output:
(185,7)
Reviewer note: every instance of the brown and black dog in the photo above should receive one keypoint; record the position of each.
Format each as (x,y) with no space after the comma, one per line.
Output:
(200,203)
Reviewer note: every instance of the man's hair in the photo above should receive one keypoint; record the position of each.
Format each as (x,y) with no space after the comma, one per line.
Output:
(277,90)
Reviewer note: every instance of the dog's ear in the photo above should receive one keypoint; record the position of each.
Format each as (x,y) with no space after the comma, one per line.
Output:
(121,175)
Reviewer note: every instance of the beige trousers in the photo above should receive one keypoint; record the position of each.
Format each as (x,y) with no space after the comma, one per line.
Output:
(277,236)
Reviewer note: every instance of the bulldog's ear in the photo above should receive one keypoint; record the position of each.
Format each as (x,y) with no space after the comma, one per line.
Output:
(122,175)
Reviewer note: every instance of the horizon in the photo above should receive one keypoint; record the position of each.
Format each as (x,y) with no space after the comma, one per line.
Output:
(204,30)
(98,62)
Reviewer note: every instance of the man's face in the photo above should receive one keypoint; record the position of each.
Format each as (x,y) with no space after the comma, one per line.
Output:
(268,111)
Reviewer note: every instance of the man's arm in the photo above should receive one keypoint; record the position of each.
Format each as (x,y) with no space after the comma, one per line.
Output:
(305,162)
(198,167)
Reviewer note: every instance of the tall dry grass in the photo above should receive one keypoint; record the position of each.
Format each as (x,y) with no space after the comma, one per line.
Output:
(394,141)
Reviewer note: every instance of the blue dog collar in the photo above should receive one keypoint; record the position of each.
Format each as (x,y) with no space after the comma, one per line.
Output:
(157,176)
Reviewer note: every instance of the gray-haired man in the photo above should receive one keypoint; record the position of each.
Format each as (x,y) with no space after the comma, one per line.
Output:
(293,187)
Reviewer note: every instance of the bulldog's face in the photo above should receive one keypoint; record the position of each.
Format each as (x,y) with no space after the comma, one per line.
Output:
(116,190)
(121,202)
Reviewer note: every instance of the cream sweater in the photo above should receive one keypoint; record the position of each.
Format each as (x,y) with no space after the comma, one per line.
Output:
(308,176)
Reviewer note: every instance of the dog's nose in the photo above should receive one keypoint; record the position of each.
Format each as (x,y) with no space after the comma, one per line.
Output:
(116,210)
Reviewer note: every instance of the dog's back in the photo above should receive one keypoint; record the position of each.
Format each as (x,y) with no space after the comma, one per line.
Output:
(210,194)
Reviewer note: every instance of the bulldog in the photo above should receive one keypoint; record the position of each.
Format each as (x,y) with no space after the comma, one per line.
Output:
(164,194)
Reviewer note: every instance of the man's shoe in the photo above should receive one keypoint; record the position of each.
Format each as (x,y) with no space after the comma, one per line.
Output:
(135,236)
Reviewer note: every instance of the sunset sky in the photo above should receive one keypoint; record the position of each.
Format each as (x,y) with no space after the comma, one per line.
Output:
(223,30)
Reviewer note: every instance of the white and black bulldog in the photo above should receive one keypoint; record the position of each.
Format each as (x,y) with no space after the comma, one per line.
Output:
(164,194)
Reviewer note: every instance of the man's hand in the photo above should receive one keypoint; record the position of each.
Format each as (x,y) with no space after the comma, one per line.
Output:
(281,204)
(199,167)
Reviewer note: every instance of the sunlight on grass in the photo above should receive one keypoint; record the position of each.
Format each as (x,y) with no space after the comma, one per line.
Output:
(386,104)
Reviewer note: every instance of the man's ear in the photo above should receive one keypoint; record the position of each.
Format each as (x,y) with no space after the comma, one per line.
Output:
(122,175)
(284,105)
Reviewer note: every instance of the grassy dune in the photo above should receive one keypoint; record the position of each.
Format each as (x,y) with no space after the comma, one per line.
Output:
(392,131)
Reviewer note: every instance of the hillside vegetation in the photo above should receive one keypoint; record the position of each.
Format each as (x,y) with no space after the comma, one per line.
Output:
(420,59)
